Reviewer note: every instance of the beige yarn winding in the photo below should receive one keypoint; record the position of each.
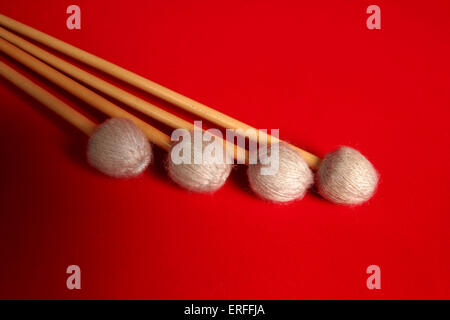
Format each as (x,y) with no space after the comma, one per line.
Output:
(119,149)
(291,181)
(204,177)
(346,177)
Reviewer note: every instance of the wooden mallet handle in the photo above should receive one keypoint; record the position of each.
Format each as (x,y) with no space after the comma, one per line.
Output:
(47,99)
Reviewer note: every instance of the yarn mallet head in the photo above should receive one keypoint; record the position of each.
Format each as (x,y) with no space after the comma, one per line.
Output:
(345,176)
(288,182)
(118,148)
(206,176)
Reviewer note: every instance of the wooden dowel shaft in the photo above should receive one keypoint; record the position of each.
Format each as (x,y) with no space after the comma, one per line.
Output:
(142,83)
(108,89)
(83,93)
(50,101)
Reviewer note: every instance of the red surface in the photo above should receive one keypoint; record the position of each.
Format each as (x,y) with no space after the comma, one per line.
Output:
(312,70)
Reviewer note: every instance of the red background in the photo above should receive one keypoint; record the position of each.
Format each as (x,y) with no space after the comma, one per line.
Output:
(311,69)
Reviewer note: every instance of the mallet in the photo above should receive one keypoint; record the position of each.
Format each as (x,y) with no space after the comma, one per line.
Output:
(117,147)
